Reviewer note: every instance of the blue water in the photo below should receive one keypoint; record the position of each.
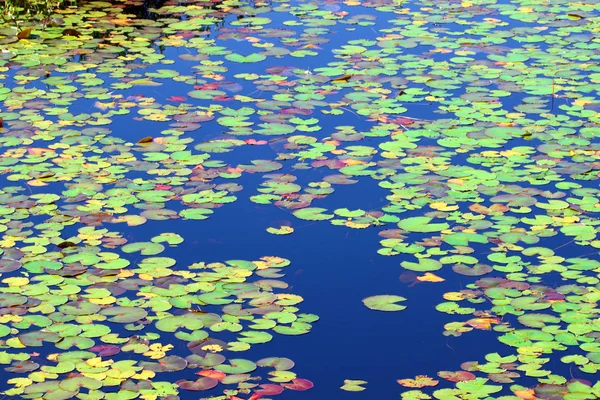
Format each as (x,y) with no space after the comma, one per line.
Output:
(333,268)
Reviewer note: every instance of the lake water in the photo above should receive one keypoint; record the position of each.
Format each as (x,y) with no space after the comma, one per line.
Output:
(281,199)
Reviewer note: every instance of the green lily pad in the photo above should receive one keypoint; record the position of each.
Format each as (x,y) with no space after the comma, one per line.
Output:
(384,303)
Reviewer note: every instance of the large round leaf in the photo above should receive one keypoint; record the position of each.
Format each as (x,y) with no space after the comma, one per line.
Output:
(384,303)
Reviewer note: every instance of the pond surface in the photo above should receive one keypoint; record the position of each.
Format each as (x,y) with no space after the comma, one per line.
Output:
(316,199)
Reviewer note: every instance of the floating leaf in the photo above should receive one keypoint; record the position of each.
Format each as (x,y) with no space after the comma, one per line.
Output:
(201,384)
(313,214)
(237,366)
(353,385)
(124,314)
(419,382)
(282,230)
(384,303)
(298,385)
(424,265)
(251,58)
(145,140)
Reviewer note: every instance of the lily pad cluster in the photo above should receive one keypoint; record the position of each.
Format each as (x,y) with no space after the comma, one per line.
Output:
(83,321)
(473,124)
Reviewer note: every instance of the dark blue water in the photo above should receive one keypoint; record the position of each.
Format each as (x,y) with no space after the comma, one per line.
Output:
(333,268)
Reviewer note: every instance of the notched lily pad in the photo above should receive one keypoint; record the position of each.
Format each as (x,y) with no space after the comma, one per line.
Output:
(384,303)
